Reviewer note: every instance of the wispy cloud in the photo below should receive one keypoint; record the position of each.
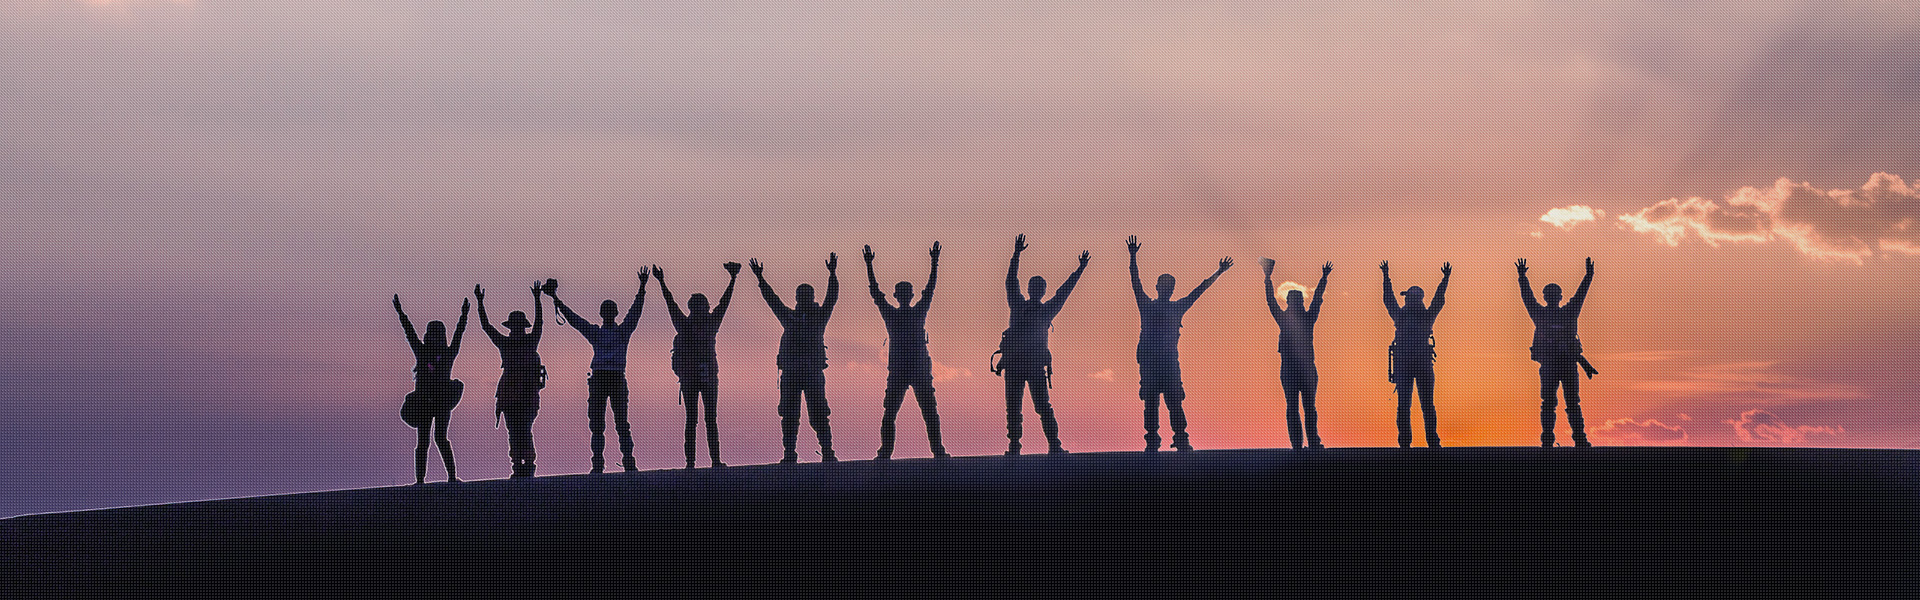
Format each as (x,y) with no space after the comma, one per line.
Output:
(1759,426)
(1570,216)
(1103,375)
(1749,379)
(1882,217)
(1648,432)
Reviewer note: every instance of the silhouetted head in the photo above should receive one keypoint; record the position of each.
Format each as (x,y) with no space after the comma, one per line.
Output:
(436,334)
(1296,300)
(903,292)
(516,321)
(1416,297)
(609,310)
(803,295)
(1165,286)
(697,304)
(1552,294)
(1036,287)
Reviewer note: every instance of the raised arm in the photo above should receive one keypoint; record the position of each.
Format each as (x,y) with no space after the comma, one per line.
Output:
(1580,297)
(766,291)
(486,324)
(573,318)
(833,283)
(460,329)
(1319,292)
(413,339)
(733,276)
(1060,297)
(639,302)
(1273,303)
(933,276)
(1013,271)
(1440,295)
(1386,288)
(539,314)
(1133,266)
(1225,263)
(673,308)
(873,285)
(1526,287)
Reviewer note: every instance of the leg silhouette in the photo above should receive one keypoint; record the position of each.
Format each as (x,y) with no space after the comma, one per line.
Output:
(931,415)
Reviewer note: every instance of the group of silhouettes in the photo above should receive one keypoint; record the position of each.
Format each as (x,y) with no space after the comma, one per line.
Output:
(1024,359)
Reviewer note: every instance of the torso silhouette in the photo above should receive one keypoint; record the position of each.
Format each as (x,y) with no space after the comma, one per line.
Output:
(518,352)
(1160,328)
(1027,325)
(693,344)
(1413,325)
(433,362)
(1296,333)
(907,337)
(803,345)
(1554,327)
(609,341)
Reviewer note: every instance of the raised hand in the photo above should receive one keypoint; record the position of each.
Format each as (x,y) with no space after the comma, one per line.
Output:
(1020,243)
(536,291)
(833,260)
(1446,269)
(659,275)
(1326,268)
(1266,265)
(396,302)
(1225,263)
(1383,267)
(1589,265)
(1521,265)
(733,268)
(757,267)
(464,304)
(1133,244)
(478,294)
(643,276)
(867,253)
(935,252)
(1084,255)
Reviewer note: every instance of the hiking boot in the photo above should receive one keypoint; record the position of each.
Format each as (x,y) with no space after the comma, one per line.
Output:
(828,457)
(1154,449)
(942,455)
(790,460)
(1182,448)
(1056,450)
(719,465)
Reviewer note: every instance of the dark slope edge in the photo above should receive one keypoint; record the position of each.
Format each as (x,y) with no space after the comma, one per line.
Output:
(1604,516)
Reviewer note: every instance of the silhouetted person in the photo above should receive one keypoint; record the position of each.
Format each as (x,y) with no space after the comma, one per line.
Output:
(1299,380)
(694,360)
(908,363)
(803,358)
(1412,351)
(607,384)
(435,392)
(521,377)
(1556,346)
(1026,361)
(1159,349)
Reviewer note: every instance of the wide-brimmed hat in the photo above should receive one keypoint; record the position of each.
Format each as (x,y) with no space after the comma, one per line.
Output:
(516,319)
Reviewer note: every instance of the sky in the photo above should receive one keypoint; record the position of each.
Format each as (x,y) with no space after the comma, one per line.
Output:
(208,205)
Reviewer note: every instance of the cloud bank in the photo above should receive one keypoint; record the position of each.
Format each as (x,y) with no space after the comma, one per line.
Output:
(1759,426)
(1648,432)
(1570,216)
(1880,218)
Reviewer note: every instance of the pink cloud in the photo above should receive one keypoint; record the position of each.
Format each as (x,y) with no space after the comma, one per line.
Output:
(1648,432)
(1759,426)
(1882,217)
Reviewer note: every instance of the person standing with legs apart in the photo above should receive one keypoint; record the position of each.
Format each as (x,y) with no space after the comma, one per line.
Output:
(1556,346)
(1299,380)
(521,377)
(1026,362)
(1412,351)
(607,384)
(1159,350)
(435,392)
(803,358)
(908,363)
(694,360)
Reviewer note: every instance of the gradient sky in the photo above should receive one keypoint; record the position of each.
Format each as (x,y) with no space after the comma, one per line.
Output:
(208,203)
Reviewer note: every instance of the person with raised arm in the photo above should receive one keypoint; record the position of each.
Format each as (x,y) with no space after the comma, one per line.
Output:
(1412,351)
(1159,350)
(517,397)
(1299,380)
(694,360)
(435,392)
(1026,362)
(909,365)
(803,358)
(1556,346)
(607,383)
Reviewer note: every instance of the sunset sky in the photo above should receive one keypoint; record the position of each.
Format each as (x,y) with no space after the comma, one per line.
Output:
(206,205)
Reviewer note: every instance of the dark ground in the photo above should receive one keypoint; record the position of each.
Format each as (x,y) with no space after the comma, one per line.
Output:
(1278,521)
